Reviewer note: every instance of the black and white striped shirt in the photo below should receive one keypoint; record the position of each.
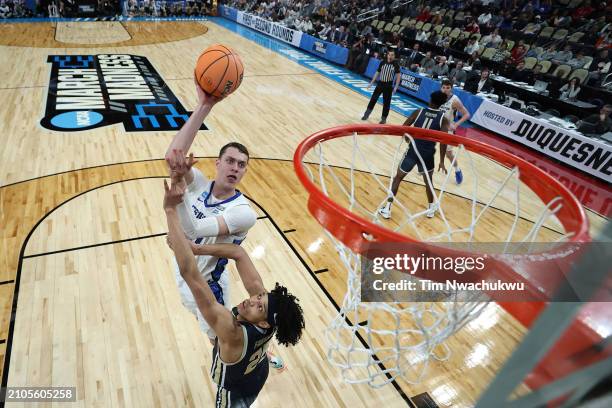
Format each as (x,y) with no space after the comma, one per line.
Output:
(387,71)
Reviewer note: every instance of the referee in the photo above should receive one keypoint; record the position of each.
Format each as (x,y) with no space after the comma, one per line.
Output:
(386,71)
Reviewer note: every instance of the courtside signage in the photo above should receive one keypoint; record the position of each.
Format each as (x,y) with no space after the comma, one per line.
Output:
(91,91)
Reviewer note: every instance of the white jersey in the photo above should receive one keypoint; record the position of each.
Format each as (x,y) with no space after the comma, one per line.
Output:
(237,214)
(447,108)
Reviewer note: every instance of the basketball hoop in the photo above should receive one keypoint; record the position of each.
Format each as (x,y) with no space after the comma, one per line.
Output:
(416,332)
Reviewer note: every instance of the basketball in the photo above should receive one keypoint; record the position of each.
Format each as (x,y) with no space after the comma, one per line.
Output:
(219,70)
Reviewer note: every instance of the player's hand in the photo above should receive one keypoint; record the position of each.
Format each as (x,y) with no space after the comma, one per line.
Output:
(173,195)
(179,164)
(442,168)
(369,86)
(204,98)
(452,127)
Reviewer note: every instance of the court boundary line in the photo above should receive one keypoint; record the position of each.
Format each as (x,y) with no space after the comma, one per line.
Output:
(13,318)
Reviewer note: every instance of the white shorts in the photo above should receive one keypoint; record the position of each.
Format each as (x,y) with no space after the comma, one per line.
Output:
(190,304)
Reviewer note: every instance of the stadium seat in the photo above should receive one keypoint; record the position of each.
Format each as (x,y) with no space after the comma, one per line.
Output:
(546,32)
(454,33)
(560,34)
(459,16)
(445,31)
(419,25)
(437,29)
(545,65)
(426,27)
(581,74)
(589,59)
(395,28)
(396,19)
(530,62)
(476,35)
(405,22)
(510,44)
(575,37)
(488,53)
(562,71)
(374,23)
(388,27)
(574,4)
(381,25)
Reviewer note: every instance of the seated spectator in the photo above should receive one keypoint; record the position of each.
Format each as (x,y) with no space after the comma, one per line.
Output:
(471,26)
(409,32)
(517,55)
(425,15)
(561,57)
(422,36)
(472,46)
(324,33)
(600,67)
(521,74)
(492,40)
(550,53)
(502,53)
(534,28)
(460,42)
(563,20)
(484,18)
(446,50)
(476,84)
(537,75)
(414,56)
(440,69)
(535,52)
(339,35)
(598,123)
(458,74)
(583,11)
(474,61)
(570,90)
(427,63)
(579,61)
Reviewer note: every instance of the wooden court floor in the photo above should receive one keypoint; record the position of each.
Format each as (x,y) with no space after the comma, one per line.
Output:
(84,261)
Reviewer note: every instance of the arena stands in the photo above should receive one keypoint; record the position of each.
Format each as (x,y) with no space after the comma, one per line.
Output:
(541,42)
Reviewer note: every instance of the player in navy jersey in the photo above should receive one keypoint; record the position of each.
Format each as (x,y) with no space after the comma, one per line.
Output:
(240,367)
(428,118)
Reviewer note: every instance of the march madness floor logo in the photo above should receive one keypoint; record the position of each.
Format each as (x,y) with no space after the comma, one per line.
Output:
(91,91)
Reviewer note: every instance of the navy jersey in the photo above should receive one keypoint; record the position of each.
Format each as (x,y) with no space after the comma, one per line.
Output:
(247,376)
(428,118)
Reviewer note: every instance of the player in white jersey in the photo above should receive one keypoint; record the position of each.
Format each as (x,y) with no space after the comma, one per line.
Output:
(214,211)
(453,106)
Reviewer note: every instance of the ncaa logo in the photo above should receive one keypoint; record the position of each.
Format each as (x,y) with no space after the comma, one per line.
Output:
(76,119)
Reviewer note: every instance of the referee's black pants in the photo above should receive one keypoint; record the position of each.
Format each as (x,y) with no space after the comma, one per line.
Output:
(386,89)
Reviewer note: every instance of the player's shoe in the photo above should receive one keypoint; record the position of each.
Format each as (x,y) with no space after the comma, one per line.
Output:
(276,362)
(431,211)
(385,212)
(382,121)
(458,176)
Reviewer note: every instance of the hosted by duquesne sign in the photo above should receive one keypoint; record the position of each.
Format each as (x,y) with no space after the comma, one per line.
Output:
(91,91)
(584,153)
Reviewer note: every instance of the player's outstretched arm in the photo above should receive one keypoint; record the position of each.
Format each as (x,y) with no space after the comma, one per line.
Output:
(184,138)
(217,316)
(248,274)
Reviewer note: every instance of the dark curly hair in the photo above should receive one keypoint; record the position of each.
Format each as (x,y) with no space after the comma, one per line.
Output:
(290,317)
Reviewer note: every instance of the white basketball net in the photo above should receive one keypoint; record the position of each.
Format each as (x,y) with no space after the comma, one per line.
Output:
(377,342)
